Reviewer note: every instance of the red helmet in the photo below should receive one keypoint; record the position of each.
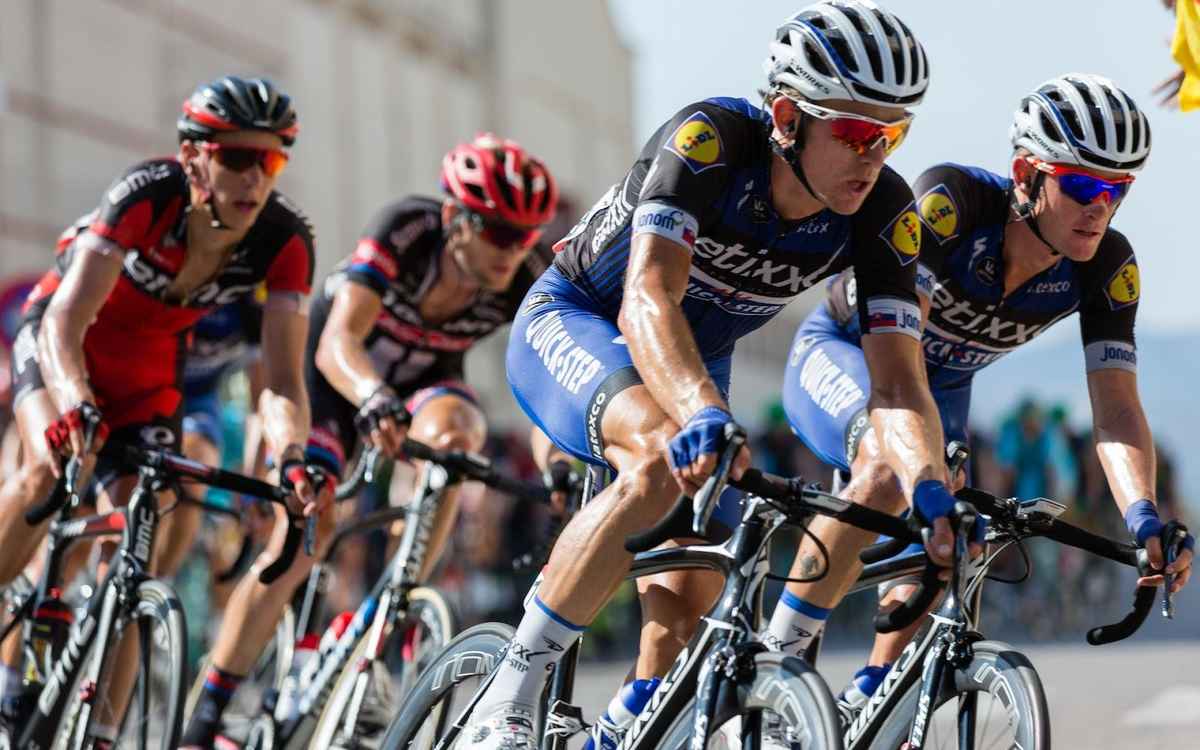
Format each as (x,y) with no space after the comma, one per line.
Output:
(500,180)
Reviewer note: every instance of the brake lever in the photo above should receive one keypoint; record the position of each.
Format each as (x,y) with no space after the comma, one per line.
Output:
(705,501)
(1173,535)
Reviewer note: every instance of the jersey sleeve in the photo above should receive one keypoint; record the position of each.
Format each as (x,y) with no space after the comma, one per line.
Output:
(292,269)
(1108,310)
(137,201)
(944,193)
(886,239)
(691,158)
(379,255)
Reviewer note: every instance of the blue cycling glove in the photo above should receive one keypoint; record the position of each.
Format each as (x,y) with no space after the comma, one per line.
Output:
(704,433)
(1143,522)
(932,500)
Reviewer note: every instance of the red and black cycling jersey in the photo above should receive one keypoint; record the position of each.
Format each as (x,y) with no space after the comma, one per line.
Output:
(704,181)
(137,341)
(972,323)
(399,258)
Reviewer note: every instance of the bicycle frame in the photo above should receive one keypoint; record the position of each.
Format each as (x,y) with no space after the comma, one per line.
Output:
(387,602)
(137,523)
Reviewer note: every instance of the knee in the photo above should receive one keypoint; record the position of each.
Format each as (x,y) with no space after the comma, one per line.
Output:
(36,477)
(671,615)
(450,423)
(875,485)
(645,483)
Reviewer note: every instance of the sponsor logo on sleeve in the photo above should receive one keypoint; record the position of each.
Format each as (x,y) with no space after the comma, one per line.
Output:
(939,213)
(369,253)
(1104,355)
(986,270)
(666,221)
(903,235)
(697,142)
(892,315)
(926,280)
(1124,287)
(536,300)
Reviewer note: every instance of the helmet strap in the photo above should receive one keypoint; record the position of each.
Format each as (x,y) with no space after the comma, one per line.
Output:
(791,155)
(1025,209)
(207,197)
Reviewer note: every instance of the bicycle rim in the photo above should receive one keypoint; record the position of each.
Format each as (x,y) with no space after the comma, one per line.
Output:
(446,687)
(1009,706)
(785,692)
(155,641)
(368,693)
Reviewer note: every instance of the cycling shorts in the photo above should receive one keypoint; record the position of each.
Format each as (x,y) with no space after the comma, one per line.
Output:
(566,362)
(826,386)
(334,436)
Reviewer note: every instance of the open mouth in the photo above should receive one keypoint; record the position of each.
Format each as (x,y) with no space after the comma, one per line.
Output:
(245,206)
(858,187)
(1086,234)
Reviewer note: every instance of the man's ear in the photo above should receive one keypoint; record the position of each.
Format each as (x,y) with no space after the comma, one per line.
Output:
(785,115)
(188,153)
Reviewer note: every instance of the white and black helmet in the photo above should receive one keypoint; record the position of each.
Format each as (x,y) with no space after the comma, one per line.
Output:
(1085,120)
(848,49)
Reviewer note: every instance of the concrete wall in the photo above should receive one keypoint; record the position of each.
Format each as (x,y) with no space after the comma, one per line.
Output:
(383,88)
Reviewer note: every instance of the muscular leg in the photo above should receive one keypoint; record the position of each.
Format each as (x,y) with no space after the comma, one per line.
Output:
(177,530)
(28,486)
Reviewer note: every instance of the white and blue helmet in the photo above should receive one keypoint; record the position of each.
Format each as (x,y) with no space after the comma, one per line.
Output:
(1085,120)
(848,49)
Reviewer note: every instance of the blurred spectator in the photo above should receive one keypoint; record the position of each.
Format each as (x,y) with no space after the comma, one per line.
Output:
(1182,90)
(1035,455)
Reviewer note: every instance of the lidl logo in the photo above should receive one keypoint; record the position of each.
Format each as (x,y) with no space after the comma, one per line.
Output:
(903,235)
(697,142)
(939,213)
(1125,286)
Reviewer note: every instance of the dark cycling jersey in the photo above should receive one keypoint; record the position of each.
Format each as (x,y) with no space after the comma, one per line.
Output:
(703,180)
(222,342)
(134,349)
(971,322)
(399,257)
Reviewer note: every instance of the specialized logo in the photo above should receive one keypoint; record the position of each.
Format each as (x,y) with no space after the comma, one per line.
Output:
(986,270)
(903,235)
(697,142)
(1124,287)
(667,221)
(536,300)
(939,213)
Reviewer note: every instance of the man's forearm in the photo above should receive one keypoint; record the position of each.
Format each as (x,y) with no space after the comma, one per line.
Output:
(60,348)
(910,435)
(664,352)
(285,417)
(1126,452)
(348,368)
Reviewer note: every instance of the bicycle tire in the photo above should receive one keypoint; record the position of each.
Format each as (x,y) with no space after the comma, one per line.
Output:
(156,603)
(995,670)
(270,670)
(474,653)
(783,685)
(426,606)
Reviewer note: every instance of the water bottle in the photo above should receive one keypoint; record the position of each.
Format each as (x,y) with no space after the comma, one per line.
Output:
(287,705)
(50,627)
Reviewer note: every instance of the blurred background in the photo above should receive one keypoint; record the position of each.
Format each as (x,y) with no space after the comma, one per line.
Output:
(384,87)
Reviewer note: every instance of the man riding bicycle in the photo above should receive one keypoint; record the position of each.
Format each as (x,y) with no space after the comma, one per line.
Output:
(623,348)
(428,279)
(1003,259)
(103,340)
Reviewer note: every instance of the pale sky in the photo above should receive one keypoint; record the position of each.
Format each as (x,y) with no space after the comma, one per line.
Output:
(984,56)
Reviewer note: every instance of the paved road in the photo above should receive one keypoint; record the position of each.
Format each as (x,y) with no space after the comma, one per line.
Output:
(1140,696)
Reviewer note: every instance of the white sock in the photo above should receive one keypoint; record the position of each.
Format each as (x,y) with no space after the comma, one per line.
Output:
(542,638)
(794,624)
(10,681)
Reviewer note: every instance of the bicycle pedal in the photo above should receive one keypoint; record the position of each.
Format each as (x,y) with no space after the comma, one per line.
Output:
(565,720)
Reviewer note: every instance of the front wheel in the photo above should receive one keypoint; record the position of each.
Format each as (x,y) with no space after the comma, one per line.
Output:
(368,691)
(786,695)
(446,687)
(1000,694)
(151,655)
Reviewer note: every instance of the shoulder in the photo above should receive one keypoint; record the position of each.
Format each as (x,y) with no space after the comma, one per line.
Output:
(1114,271)
(287,219)
(953,196)
(399,223)
(148,179)
(709,133)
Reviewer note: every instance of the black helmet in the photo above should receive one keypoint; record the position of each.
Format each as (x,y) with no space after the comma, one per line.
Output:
(232,104)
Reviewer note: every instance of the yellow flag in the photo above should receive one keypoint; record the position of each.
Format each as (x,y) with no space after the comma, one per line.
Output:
(1185,48)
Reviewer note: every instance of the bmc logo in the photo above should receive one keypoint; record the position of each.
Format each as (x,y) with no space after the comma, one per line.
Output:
(153,281)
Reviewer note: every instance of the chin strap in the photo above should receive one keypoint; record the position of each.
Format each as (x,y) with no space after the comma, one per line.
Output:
(791,155)
(1024,210)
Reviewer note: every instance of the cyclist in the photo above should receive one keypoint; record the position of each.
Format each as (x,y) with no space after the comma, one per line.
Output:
(622,350)
(104,332)
(428,279)
(1004,258)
